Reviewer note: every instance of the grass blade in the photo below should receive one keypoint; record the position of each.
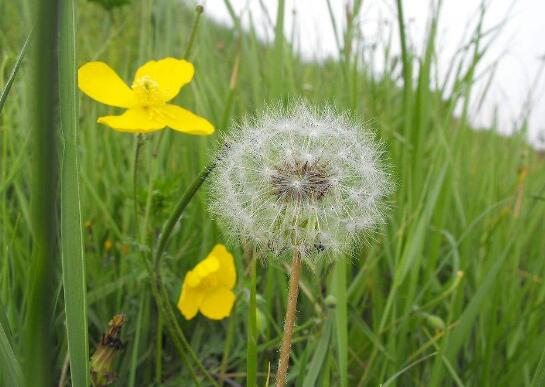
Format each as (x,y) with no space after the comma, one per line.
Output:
(341,320)
(9,366)
(251,347)
(317,362)
(13,73)
(42,102)
(73,262)
(539,375)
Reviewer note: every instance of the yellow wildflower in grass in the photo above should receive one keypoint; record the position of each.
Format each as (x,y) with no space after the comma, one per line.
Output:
(208,288)
(146,101)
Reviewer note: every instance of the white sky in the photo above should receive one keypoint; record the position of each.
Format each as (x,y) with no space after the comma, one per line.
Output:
(518,49)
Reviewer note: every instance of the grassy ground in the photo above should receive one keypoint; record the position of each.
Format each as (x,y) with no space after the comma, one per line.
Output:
(450,292)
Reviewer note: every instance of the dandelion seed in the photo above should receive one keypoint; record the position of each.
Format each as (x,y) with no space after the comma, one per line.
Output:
(300,181)
(146,101)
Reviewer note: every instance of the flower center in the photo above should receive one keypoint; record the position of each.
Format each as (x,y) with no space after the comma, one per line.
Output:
(301,180)
(147,91)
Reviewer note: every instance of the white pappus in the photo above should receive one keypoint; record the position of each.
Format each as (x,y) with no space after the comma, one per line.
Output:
(299,180)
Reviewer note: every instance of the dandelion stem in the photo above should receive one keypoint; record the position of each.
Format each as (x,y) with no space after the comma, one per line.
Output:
(289,322)
(137,148)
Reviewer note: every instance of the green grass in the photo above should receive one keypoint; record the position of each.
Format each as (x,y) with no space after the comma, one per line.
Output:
(449,292)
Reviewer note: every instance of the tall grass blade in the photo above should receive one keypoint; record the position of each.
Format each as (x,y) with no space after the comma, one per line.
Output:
(43,97)
(73,261)
(278,64)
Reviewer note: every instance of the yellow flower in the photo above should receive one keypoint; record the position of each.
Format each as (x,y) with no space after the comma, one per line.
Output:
(208,287)
(155,83)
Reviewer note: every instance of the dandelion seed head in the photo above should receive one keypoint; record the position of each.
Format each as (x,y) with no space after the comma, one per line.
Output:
(299,181)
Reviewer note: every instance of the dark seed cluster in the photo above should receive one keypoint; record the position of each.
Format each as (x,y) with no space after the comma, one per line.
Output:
(300,181)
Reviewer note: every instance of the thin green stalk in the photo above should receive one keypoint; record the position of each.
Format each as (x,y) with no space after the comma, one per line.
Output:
(181,344)
(135,342)
(407,86)
(159,293)
(341,321)
(159,350)
(251,343)
(43,98)
(171,326)
(137,147)
(73,260)
(176,214)
(199,9)
(278,89)
(231,324)
(177,331)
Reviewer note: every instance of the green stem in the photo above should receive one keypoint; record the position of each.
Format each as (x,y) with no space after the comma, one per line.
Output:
(341,320)
(231,323)
(161,297)
(159,350)
(159,292)
(137,148)
(177,214)
(199,9)
(251,348)
(177,331)
(171,326)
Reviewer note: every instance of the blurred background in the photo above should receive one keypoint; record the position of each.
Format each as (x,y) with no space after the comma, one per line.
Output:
(510,91)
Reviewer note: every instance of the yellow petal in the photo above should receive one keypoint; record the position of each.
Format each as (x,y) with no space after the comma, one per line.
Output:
(192,279)
(169,73)
(227,274)
(137,120)
(183,120)
(217,304)
(207,266)
(189,301)
(101,83)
